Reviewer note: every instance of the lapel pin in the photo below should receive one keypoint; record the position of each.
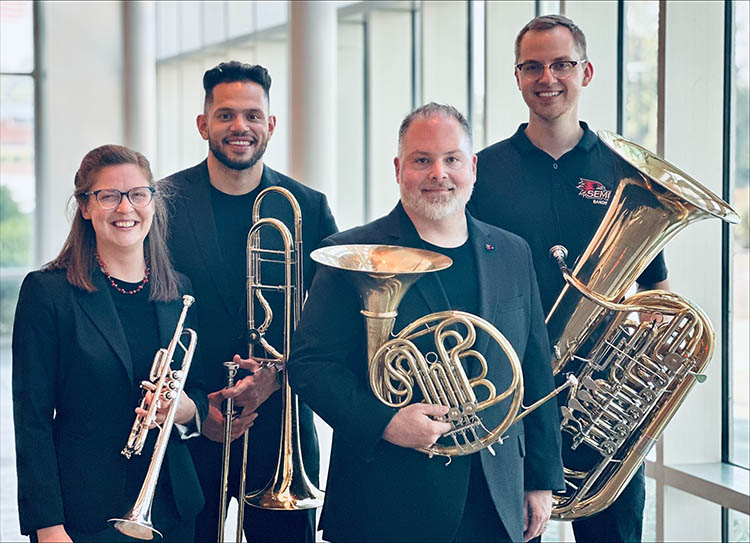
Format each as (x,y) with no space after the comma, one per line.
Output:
(489,247)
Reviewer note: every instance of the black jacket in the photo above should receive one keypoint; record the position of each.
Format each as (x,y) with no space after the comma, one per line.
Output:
(73,391)
(195,251)
(377,491)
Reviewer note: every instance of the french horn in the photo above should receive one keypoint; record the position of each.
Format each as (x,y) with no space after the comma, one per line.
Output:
(400,373)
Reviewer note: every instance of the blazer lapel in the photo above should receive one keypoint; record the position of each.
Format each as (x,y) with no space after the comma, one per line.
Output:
(101,310)
(201,216)
(167,314)
(485,256)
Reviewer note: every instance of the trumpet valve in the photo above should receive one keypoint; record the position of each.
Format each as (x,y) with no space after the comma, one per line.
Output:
(148,386)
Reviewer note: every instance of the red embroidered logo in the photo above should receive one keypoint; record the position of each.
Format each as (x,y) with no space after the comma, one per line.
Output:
(594,191)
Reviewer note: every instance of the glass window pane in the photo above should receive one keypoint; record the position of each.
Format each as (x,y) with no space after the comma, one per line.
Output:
(16,37)
(641,55)
(214,21)
(739,526)
(649,512)
(740,448)
(270,13)
(17,192)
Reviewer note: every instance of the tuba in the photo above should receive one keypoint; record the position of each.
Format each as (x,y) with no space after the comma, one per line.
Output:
(381,275)
(632,375)
(289,489)
(166,385)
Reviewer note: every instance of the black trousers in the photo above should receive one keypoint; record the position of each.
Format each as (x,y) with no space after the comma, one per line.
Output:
(480,522)
(259,525)
(621,522)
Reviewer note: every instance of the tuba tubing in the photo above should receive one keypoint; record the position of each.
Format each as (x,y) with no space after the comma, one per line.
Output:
(632,376)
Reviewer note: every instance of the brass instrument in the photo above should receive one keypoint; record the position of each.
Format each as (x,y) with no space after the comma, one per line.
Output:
(290,488)
(382,274)
(166,386)
(632,374)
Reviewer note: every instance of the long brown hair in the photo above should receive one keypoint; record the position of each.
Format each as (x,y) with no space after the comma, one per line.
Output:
(78,255)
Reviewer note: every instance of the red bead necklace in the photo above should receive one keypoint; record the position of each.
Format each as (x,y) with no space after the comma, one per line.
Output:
(117,287)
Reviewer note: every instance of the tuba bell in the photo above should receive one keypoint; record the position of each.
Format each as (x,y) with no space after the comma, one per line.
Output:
(381,275)
(632,375)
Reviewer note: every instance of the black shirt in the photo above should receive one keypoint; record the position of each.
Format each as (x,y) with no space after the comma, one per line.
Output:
(460,279)
(547,202)
(138,318)
(233,215)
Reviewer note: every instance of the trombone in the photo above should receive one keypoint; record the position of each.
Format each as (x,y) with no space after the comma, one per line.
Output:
(290,488)
(166,385)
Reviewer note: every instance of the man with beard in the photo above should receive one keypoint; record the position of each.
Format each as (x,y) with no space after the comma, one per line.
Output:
(211,217)
(552,183)
(381,487)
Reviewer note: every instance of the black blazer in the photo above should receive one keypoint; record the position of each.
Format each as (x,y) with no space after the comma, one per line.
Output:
(195,251)
(377,491)
(73,391)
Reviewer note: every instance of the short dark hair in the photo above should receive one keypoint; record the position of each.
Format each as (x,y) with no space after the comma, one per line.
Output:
(434,109)
(78,255)
(547,22)
(229,72)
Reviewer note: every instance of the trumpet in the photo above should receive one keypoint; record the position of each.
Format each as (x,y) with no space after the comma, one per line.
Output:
(166,386)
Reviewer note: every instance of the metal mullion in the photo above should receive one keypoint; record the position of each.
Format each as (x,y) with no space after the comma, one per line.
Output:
(39,170)
(726,260)
(620,65)
(366,118)
(470,61)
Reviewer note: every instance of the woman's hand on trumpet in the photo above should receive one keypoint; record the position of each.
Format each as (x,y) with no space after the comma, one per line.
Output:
(185,410)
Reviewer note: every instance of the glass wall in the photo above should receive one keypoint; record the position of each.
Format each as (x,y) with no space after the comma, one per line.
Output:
(17,179)
(17,206)
(395,55)
(739,450)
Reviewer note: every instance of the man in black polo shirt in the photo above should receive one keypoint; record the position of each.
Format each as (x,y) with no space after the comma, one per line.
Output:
(551,183)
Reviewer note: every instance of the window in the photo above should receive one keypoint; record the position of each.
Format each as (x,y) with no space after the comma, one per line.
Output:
(739,446)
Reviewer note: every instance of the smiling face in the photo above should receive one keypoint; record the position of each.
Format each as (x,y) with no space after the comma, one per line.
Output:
(237,124)
(550,98)
(123,228)
(435,168)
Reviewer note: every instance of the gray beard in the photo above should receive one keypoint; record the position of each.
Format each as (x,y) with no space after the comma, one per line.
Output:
(436,210)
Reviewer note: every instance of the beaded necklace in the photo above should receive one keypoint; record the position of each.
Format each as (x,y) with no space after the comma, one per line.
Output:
(117,287)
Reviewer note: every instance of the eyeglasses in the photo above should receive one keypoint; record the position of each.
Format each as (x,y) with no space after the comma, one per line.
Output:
(111,198)
(560,69)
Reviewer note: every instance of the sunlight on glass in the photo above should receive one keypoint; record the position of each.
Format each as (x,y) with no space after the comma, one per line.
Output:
(740,446)
(641,72)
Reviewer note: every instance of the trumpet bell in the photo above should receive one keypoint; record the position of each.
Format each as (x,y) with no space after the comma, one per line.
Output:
(137,527)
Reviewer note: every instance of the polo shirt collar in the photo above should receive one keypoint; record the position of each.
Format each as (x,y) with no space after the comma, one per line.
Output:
(524,145)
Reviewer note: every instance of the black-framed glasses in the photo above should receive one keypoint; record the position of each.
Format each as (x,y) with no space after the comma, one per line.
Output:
(111,198)
(560,68)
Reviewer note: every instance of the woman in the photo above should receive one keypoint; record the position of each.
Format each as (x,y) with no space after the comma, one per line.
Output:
(86,330)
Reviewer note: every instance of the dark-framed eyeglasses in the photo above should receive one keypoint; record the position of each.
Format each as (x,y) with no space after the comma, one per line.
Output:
(560,68)
(111,198)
